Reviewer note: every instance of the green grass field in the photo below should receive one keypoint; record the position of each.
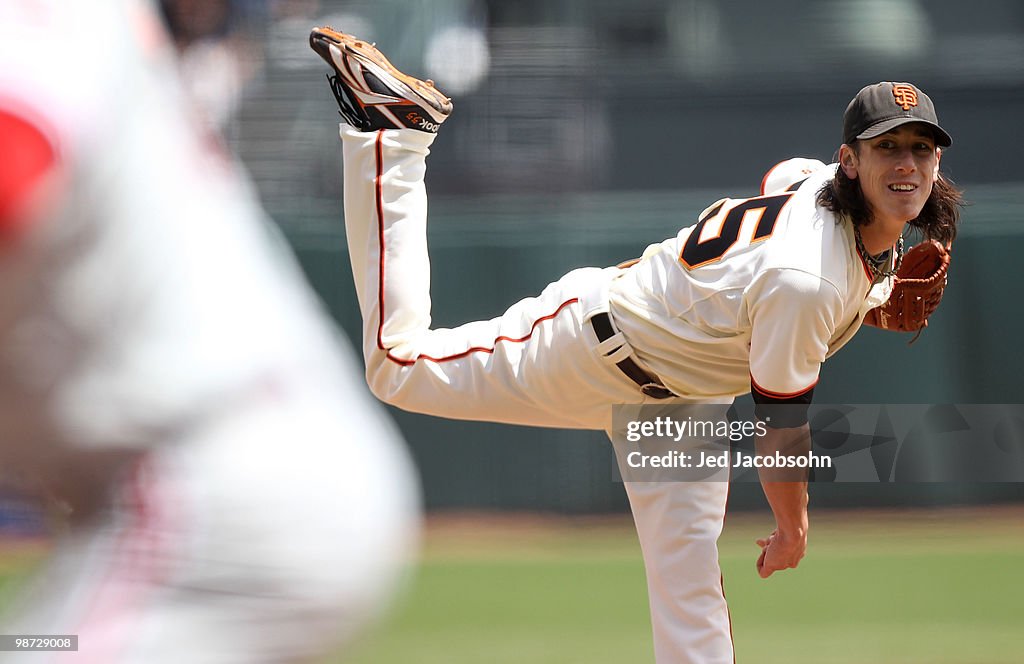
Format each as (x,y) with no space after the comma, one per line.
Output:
(935,587)
(930,587)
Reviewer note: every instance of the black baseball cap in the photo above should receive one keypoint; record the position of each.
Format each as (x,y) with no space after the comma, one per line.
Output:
(883,106)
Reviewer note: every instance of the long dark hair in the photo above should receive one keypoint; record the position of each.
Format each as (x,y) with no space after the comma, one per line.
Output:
(938,219)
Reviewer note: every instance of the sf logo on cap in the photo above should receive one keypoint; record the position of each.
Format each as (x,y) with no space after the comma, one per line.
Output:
(906,95)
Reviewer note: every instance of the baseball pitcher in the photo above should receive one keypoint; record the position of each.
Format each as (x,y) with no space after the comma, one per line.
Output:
(753,297)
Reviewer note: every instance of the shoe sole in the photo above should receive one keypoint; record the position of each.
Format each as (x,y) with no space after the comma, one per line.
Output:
(413,89)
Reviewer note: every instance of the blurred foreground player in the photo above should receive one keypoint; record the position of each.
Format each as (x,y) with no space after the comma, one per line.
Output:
(235,494)
(754,297)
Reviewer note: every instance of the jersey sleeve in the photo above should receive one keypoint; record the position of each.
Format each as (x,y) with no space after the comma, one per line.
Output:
(785,174)
(793,315)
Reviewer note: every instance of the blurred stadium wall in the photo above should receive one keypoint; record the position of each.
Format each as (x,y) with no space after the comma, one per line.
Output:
(586,129)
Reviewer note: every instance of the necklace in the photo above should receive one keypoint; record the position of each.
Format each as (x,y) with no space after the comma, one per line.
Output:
(870,261)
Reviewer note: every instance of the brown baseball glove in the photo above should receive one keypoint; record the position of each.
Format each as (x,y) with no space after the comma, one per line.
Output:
(916,292)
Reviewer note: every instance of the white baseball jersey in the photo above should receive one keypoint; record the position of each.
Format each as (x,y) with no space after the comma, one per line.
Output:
(757,293)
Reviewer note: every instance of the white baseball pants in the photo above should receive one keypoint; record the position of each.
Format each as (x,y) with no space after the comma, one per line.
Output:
(539,364)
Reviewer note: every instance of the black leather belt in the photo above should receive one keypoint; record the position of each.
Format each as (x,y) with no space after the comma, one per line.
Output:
(649,385)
